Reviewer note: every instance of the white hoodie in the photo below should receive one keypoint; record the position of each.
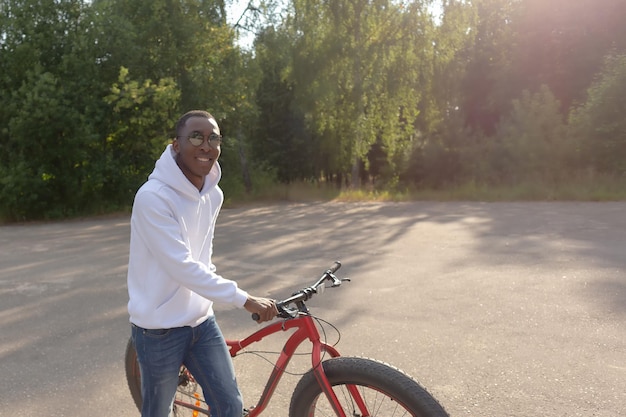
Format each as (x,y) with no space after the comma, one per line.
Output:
(171,280)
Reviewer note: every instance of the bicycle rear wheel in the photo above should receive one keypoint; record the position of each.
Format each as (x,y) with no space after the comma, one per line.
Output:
(188,402)
(385,390)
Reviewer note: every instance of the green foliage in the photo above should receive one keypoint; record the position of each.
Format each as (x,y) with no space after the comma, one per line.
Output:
(523,44)
(453,41)
(183,45)
(561,43)
(487,88)
(280,140)
(141,125)
(43,120)
(78,135)
(334,92)
(47,74)
(600,122)
(356,76)
(441,158)
(185,40)
(532,140)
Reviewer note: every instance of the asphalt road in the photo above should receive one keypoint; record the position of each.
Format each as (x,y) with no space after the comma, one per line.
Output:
(498,309)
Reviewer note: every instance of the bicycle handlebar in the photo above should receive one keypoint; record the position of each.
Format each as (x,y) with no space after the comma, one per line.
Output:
(299,297)
(334,268)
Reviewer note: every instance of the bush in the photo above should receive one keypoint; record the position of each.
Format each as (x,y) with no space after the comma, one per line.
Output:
(532,143)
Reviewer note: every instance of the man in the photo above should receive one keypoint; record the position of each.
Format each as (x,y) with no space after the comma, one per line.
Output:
(172,282)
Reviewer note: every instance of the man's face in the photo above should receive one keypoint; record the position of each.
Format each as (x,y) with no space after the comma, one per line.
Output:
(196,161)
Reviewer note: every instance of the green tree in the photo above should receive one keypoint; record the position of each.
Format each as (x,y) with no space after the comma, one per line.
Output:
(186,42)
(533,140)
(435,158)
(43,171)
(359,70)
(523,44)
(453,40)
(237,115)
(486,86)
(143,123)
(561,43)
(599,123)
(48,77)
(281,140)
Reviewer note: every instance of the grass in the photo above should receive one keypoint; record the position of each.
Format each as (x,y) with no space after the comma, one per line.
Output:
(583,188)
(580,189)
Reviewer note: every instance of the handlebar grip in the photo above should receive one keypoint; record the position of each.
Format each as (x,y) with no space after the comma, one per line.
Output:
(334,268)
(255,316)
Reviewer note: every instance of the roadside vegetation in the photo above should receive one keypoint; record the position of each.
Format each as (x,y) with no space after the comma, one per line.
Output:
(346,100)
(593,190)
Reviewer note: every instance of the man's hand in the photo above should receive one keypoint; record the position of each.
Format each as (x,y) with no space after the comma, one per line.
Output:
(264,307)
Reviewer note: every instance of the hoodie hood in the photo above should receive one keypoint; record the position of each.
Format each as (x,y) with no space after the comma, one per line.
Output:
(167,171)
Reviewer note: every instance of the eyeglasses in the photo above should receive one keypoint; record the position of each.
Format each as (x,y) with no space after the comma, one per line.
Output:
(197,139)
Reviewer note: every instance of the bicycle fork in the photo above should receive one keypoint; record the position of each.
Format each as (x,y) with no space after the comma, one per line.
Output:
(322,379)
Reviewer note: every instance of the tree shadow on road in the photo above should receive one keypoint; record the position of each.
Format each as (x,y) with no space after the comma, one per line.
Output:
(63,285)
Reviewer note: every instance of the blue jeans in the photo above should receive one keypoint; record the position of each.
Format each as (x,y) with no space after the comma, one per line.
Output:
(203,351)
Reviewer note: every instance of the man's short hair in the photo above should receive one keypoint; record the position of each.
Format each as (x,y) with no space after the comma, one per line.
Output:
(192,113)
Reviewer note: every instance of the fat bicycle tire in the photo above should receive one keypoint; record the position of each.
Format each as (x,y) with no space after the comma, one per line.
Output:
(385,389)
(133,374)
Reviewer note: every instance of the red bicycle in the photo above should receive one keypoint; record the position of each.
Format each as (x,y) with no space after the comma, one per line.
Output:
(337,386)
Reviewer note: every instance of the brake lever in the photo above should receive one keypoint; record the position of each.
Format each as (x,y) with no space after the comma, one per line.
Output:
(337,281)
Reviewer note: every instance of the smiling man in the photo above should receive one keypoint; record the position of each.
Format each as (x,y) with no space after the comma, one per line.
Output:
(172,282)
(195,156)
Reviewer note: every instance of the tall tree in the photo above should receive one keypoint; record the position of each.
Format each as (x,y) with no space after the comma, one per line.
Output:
(599,122)
(281,140)
(358,74)
(189,43)
(434,158)
(487,89)
(183,39)
(48,76)
(453,39)
(561,43)
(532,140)
(523,44)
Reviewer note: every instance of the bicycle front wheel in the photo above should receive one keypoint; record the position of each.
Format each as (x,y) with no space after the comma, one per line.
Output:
(383,389)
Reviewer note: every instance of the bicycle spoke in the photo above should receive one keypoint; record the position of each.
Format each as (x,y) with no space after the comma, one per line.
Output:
(376,402)
(189,401)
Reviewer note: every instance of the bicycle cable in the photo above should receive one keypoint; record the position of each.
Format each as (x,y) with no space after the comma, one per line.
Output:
(320,322)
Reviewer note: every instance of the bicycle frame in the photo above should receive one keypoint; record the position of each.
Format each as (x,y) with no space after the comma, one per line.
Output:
(398,390)
(306,329)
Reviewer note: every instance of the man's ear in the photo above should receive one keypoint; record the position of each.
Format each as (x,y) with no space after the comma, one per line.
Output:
(176,145)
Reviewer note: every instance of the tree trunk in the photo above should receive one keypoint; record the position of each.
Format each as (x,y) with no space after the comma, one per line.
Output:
(245,172)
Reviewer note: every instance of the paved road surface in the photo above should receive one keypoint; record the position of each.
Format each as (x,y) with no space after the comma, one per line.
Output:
(501,309)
